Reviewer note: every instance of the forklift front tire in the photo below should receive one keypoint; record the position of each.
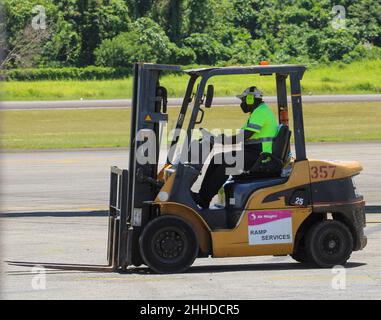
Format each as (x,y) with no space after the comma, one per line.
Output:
(301,256)
(329,243)
(168,244)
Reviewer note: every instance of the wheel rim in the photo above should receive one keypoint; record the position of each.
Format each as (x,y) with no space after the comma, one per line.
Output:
(169,245)
(331,244)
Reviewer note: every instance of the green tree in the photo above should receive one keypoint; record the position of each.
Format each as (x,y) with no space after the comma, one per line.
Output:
(337,44)
(145,41)
(93,21)
(175,16)
(24,43)
(246,14)
(200,16)
(208,50)
(193,31)
(64,46)
(139,8)
(170,15)
(19,14)
(89,29)
(365,17)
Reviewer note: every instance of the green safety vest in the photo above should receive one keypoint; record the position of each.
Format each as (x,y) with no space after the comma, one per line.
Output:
(264,127)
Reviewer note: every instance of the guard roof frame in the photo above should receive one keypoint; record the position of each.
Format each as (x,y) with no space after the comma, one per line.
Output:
(295,72)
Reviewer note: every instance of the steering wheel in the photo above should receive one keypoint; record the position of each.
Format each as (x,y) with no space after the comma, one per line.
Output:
(206,135)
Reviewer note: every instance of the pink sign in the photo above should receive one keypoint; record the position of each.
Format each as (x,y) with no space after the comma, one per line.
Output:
(261,217)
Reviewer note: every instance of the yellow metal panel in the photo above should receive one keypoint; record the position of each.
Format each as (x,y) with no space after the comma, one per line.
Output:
(300,175)
(167,187)
(321,170)
(161,174)
(234,243)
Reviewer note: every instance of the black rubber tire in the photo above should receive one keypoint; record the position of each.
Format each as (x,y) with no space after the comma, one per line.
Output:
(329,243)
(300,256)
(168,244)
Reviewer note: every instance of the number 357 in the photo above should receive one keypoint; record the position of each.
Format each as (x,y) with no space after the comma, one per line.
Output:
(323,172)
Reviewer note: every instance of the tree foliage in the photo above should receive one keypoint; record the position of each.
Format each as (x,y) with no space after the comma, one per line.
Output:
(115,33)
(145,41)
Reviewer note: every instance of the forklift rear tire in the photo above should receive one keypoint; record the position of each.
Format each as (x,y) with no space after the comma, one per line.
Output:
(329,243)
(168,244)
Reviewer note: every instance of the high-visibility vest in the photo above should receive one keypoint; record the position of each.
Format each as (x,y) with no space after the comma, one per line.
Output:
(264,126)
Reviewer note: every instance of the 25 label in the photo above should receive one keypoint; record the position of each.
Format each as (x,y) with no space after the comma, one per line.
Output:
(299,201)
(323,172)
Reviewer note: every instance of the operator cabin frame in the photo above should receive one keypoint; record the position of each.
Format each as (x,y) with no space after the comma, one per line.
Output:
(281,71)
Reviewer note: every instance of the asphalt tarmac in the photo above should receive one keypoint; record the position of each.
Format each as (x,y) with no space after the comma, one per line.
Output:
(53,210)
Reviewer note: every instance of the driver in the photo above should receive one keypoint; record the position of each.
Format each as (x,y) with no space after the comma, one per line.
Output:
(258,133)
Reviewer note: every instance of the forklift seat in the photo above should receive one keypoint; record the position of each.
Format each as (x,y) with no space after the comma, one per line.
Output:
(237,193)
(278,157)
(281,143)
(240,191)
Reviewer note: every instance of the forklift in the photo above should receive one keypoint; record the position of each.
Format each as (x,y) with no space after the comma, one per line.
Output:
(308,209)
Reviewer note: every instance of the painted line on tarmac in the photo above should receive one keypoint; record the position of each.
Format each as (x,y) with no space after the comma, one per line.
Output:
(66,161)
(46,271)
(314,278)
(144,279)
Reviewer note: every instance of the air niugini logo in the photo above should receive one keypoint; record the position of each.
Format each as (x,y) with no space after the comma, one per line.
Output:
(254,216)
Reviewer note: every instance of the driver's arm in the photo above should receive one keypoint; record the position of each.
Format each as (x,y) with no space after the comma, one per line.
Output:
(226,140)
(253,125)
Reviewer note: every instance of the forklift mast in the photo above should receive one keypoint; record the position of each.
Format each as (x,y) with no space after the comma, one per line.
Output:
(132,189)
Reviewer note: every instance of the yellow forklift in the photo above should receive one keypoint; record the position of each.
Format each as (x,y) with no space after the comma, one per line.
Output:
(312,211)
(308,209)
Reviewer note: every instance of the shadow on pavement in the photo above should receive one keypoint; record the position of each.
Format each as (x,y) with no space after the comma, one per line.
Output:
(263,267)
(196,269)
(244,267)
(62,214)
(372,209)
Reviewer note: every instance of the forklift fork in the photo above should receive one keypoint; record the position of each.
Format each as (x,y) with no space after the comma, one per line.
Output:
(117,231)
(117,224)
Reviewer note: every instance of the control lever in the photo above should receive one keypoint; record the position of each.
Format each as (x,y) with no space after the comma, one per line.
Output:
(142,177)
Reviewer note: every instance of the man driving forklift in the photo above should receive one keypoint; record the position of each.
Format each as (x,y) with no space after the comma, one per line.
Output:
(258,132)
